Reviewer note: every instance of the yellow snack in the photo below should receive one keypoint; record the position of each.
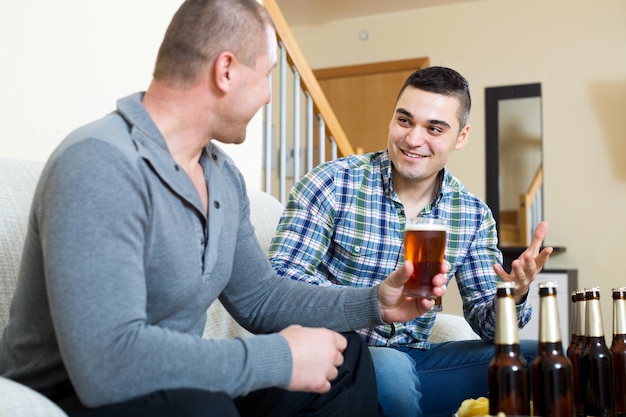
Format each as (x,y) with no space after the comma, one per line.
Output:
(474,407)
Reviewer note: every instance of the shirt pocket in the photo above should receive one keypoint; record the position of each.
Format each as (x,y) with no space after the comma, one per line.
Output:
(361,261)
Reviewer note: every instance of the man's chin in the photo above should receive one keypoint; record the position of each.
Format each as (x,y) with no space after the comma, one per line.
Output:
(408,174)
(232,141)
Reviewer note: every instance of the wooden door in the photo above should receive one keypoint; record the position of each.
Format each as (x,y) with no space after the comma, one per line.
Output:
(363,98)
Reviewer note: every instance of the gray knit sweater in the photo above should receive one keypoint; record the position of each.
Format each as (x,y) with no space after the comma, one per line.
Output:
(120,264)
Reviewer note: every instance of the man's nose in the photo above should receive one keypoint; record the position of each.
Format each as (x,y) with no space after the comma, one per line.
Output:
(415,137)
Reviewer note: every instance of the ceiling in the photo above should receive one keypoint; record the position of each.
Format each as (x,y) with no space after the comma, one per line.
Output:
(311,12)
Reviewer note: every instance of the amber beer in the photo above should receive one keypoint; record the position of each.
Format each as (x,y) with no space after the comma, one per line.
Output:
(574,326)
(552,373)
(618,349)
(424,246)
(508,373)
(576,354)
(596,366)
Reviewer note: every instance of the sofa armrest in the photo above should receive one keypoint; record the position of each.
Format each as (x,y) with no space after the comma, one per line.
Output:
(19,400)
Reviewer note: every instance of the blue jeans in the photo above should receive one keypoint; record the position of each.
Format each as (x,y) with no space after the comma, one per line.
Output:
(448,372)
(396,399)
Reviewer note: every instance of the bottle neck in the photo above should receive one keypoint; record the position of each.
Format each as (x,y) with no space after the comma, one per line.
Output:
(593,322)
(581,314)
(591,341)
(619,316)
(549,327)
(508,349)
(550,348)
(506,322)
(574,315)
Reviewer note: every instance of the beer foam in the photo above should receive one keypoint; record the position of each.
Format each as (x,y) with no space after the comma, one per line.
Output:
(424,226)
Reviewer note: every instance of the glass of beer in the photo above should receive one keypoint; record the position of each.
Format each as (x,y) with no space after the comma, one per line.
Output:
(424,246)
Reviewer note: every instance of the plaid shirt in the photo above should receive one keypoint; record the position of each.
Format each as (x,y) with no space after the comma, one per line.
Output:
(343,225)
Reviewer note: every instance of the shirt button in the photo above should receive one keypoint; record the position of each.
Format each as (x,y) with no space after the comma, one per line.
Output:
(214,157)
(357,249)
(176,167)
(216,204)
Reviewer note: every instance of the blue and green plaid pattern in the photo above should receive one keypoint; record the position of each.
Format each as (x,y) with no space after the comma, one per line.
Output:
(343,225)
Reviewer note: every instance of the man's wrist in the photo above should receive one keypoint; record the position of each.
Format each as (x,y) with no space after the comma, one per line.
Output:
(523,299)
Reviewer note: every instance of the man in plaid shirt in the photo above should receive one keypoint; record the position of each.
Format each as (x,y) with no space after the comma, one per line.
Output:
(343,226)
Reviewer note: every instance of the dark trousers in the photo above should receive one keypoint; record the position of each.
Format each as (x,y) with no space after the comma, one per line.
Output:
(353,393)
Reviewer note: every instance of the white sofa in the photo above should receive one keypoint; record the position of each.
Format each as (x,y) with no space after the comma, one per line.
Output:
(17,184)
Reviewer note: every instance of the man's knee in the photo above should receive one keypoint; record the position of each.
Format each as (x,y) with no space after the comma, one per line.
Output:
(356,351)
(389,358)
(195,402)
(392,366)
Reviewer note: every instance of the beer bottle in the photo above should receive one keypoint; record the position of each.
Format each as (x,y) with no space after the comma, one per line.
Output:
(573,326)
(597,363)
(552,373)
(581,311)
(618,349)
(508,370)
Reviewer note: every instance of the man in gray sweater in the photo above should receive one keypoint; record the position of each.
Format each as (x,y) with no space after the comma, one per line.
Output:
(140,222)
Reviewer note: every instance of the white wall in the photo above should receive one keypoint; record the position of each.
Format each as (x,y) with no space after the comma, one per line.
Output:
(576,50)
(66,62)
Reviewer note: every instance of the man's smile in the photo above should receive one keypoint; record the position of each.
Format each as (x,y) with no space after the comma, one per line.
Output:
(413,155)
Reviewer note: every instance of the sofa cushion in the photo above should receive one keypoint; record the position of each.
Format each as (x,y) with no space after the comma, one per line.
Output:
(449,327)
(265,212)
(18,180)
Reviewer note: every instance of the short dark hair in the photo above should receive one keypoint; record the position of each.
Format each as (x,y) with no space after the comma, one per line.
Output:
(442,80)
(202,29)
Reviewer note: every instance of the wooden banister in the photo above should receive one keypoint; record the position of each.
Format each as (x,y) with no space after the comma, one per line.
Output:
(536,183)
(525,205)
(307,79)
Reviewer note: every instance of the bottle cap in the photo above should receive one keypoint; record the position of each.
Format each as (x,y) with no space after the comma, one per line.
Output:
(619,293)
(547,288)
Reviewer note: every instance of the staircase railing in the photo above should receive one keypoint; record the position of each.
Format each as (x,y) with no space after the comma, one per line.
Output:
(530,204)
(296,136)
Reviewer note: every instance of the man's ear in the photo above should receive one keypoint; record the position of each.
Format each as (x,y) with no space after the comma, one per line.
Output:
(223,70)
(463,138)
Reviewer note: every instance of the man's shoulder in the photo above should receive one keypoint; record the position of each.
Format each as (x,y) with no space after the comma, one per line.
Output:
(351,163)
(110,129)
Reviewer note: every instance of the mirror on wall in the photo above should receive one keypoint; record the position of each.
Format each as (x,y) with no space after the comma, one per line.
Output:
(514,160)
